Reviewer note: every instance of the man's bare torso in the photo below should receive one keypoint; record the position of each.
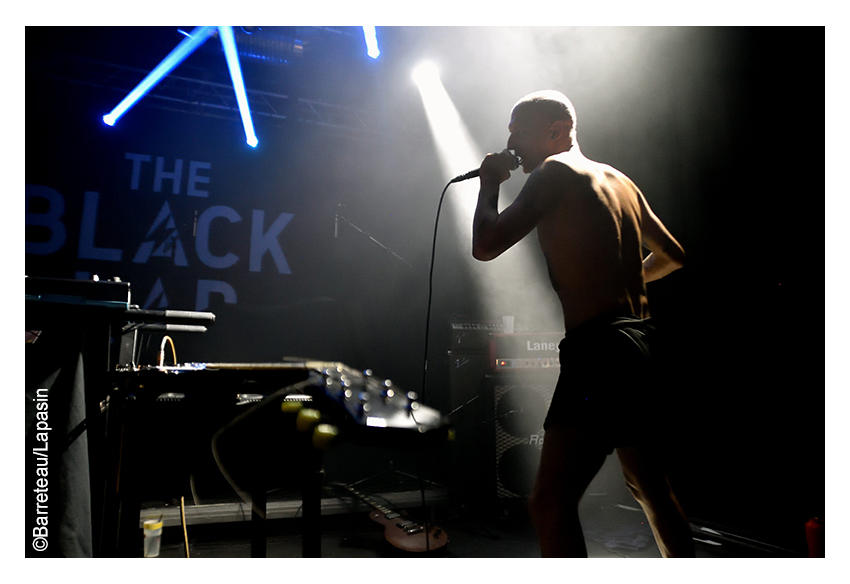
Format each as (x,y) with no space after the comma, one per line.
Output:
(592,242)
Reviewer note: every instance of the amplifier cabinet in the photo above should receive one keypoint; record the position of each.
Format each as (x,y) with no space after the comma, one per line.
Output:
(472,468)
(473,336)
(498,419)
(520,403)
(525,352)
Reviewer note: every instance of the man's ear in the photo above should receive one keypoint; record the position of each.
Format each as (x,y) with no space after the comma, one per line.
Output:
(560,132)
(557,129)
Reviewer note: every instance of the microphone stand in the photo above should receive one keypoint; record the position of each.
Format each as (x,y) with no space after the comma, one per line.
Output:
(369,236)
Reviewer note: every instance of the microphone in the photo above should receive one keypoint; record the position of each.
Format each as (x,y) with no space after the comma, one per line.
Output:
(515,162)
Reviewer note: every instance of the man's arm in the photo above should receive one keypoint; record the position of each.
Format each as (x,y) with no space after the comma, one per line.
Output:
(494,232)
(666,255)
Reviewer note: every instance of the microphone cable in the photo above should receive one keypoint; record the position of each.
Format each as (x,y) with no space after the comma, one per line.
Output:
(515,164)
(431,288)
(425,361)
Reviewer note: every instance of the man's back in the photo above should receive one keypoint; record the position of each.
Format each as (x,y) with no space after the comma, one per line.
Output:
(591,239)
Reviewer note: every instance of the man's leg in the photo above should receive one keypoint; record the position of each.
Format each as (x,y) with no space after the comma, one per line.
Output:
(568,463)
(647,481)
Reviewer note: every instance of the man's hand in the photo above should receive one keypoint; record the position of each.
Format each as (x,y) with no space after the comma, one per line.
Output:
(494,232)
(666,255)
(496,167)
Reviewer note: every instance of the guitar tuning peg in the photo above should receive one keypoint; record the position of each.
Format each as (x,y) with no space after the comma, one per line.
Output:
(323,435)
(307,418)
(290,407)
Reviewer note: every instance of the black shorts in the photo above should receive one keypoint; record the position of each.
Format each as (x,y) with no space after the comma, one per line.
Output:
(607,385)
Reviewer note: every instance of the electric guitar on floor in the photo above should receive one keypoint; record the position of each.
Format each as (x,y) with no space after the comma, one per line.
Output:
(401,531)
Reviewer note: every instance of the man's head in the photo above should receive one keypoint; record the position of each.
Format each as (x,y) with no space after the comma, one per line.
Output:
(542,123)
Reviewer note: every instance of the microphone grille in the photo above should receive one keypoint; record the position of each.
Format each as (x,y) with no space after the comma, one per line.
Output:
(515,161)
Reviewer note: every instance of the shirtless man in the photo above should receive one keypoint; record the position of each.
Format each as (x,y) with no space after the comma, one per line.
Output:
(592,223)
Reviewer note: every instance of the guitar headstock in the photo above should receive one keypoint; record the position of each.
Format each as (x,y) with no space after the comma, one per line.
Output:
(373,402)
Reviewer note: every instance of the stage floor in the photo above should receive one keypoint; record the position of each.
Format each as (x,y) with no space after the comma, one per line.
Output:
(503,531)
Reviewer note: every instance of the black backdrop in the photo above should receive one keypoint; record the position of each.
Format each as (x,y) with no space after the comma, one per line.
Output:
(735,170)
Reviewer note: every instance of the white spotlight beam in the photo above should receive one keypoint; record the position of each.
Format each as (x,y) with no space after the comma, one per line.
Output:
(228,43)
(186,47)
(456,148)
(371,41)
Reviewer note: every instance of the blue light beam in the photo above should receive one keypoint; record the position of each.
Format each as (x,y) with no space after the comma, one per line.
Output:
(371,41)
(186,47)
(228,43)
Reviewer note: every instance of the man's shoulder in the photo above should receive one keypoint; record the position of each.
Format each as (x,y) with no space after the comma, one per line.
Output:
(564,164)
(576,164)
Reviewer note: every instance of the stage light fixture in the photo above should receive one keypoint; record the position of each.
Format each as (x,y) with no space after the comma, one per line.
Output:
(228,43)
(371,41)
(425,73)
(186,47)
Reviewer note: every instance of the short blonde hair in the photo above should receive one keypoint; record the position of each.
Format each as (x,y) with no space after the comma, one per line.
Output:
(552,105)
